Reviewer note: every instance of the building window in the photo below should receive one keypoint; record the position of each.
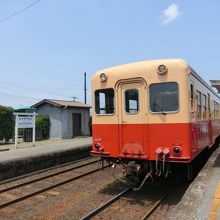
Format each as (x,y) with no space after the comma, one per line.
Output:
(164,97)
(131,101)
(104,101)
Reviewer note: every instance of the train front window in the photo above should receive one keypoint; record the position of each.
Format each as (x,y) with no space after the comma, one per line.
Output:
(104,101)
(164,97)
(131,101)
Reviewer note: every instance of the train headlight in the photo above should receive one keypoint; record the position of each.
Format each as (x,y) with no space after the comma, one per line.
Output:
(103,77)
(162,69)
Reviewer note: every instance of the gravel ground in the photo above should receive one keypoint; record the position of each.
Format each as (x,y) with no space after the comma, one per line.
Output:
(75,199)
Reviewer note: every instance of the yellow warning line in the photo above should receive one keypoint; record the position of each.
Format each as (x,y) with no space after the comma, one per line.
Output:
(213,212)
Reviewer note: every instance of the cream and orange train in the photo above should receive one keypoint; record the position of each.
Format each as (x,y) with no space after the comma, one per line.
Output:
(152,114)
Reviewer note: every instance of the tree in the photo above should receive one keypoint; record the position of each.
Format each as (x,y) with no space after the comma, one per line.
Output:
(6,123)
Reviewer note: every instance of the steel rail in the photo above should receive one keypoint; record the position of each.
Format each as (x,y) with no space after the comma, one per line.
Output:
(156,204)
(43,170)
(106,204)
(45,177)
(47,188)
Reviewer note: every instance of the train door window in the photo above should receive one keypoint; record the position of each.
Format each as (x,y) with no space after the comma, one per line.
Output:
(131,101)
(198,94)
(164,97)
(209,106)
(204,106)
(104,101)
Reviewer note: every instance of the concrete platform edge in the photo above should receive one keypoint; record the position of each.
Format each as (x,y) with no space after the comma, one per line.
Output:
(13,168)
(196,202)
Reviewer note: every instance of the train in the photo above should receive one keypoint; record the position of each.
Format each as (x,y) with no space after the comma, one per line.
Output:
(152,116)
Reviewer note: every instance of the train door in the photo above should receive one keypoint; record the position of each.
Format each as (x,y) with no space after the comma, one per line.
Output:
(133,127)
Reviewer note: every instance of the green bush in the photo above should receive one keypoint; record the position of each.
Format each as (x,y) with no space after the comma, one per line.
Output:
(6,123)
(42,127)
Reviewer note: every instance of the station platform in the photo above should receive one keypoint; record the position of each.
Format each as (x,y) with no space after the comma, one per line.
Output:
(26,158)
(202,198)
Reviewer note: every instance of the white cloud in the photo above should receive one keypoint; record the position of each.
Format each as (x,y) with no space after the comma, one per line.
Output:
(170,14)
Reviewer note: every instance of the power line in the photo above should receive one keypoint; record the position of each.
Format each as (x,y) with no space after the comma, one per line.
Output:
(60,85)
(19,11)
(19,96)
(36,89)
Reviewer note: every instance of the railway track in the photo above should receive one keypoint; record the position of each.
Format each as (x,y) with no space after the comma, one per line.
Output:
(51,186)
(44,170)
(157,203)
(149,212)
(105,205)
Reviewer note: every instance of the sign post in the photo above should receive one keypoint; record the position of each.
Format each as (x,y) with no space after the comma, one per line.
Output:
(24,120)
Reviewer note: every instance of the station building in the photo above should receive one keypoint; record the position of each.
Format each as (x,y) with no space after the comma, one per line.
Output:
(68,119)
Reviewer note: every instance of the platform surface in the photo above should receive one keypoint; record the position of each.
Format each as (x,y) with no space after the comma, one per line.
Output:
(26,151)
(202,199)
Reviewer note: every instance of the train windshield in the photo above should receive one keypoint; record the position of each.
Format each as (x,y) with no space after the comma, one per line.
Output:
(104,101)
(164,97)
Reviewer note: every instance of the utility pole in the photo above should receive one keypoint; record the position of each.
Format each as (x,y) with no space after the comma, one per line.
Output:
(74,98)
(85,87)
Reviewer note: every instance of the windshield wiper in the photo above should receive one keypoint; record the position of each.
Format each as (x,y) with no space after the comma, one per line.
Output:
(160,108)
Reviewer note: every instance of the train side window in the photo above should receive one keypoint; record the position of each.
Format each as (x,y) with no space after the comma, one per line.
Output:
(192,97)
(218,110)
(198,96)
(209,106)
(164,97)
(213,109)
(104,101)
(131,101)
(204,108)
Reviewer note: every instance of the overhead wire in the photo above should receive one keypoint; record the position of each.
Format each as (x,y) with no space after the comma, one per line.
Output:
(19,96)
(33,88)
(51,84)
(19,11)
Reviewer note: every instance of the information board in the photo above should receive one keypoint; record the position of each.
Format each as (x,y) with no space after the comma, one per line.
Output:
(25,122)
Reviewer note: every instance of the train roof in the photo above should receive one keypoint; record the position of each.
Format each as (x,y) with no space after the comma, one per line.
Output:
(141,65)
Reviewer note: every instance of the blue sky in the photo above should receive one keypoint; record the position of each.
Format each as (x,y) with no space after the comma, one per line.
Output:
(45,50)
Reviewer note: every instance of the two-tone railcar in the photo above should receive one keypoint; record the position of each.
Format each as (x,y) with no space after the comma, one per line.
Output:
(151,115)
